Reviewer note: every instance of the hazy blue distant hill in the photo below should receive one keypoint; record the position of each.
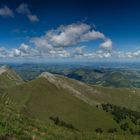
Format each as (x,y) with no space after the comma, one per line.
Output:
(119,75)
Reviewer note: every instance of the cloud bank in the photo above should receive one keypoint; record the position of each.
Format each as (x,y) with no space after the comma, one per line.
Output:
(66,42)
(68,35)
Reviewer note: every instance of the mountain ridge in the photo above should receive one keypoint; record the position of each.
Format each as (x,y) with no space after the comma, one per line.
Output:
(8,77)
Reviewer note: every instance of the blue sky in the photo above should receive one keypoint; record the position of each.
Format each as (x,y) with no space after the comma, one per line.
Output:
(25,24)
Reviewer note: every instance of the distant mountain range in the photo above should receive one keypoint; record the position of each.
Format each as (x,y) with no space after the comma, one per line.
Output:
(107,77)
(104,76)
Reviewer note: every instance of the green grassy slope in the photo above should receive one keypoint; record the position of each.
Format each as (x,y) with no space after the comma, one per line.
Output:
(127,97)
(42,99)
(9,78)
(14,125)
(72,101)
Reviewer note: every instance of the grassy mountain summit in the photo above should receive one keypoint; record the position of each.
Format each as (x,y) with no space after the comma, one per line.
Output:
(8,77)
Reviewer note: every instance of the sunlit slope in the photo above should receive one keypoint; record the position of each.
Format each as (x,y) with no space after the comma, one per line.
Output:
(9,77)
(42,99)
(14,125)
(125,97)
(93,95)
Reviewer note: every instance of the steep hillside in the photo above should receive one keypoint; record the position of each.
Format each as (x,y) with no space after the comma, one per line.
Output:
(42,99)
(16,126)
(9,77)
(94,95)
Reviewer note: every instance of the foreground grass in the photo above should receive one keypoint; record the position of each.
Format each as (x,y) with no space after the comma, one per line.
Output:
(16,126)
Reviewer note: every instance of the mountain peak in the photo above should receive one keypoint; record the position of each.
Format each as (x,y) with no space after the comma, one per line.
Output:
(69,85)
(9,74)
(49,76)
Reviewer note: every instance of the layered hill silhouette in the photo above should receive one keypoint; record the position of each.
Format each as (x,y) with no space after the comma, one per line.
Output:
(124,78)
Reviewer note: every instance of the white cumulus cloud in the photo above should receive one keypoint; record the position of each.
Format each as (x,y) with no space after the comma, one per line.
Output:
(66,41)
(69,35)
(107,44)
